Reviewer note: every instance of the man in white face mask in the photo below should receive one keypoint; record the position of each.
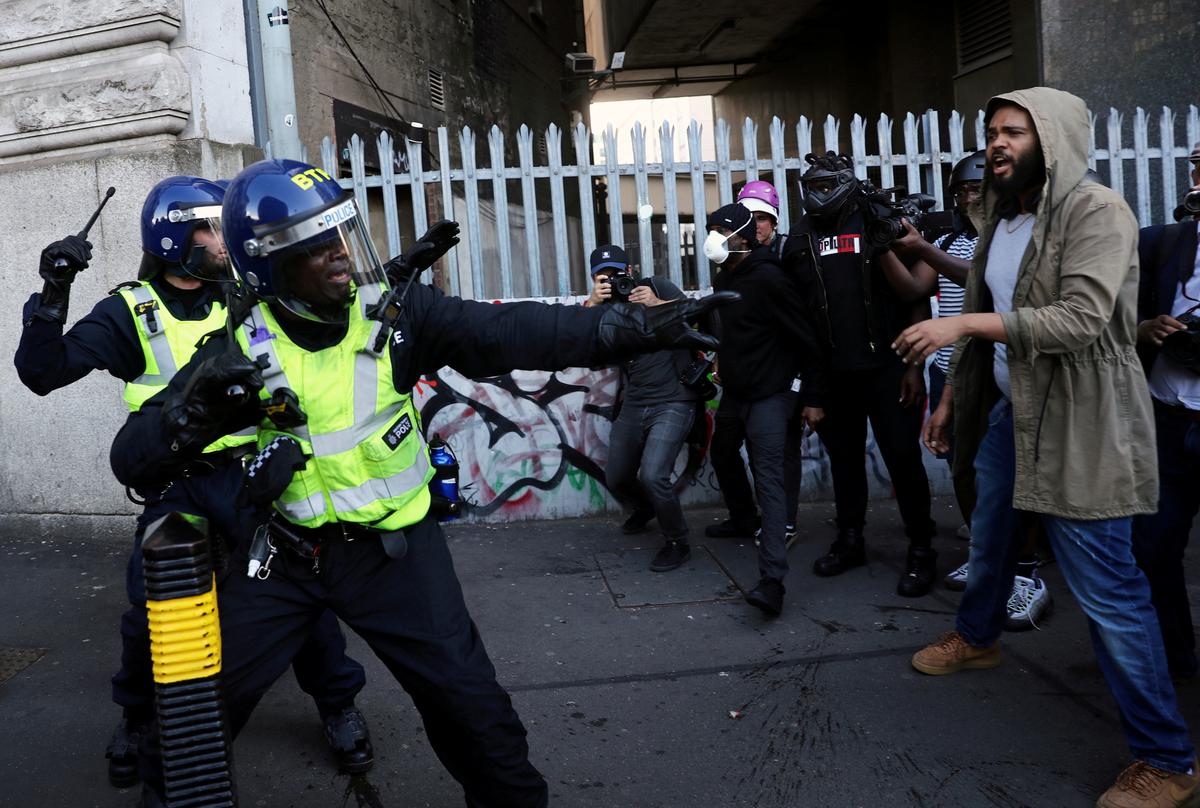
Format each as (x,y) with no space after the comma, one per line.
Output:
(767,341)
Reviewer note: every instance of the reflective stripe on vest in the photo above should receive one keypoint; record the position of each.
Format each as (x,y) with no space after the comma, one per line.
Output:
(167,345)
(369,462)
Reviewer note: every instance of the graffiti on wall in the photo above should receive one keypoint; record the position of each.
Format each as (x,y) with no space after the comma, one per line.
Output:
(534,444)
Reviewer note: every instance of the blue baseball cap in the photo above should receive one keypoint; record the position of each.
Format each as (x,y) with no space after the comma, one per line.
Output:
(608,256)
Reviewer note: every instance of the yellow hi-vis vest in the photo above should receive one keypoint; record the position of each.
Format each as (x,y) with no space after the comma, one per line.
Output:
(167,345)
(369,463)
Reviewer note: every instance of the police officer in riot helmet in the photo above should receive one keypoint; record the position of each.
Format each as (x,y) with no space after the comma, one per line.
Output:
(859,314)
(345,468)
(140,334)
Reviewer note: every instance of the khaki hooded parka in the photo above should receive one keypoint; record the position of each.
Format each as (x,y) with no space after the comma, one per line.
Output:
(1082,415)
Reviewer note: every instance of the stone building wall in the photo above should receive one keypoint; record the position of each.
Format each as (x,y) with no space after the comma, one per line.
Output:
(107,92)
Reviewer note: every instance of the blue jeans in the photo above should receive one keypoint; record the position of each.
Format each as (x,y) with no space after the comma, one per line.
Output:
(642,447)
(1096,558)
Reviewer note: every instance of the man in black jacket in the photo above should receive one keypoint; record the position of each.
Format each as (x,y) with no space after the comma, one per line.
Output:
(859,316)
(1169,289)
(325,328)
(656,414)
(766,341)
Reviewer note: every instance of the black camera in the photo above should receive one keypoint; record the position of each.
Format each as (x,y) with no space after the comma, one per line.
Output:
(1191,203)
(622,286)
(885,209)
(1183,347)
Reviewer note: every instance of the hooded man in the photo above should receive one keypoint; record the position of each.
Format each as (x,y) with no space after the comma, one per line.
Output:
(1053,417)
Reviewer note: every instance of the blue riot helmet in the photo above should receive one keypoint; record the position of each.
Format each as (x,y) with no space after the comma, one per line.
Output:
(296,237)
(181,229)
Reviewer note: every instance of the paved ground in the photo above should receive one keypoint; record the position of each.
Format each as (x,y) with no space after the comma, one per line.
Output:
(628,681)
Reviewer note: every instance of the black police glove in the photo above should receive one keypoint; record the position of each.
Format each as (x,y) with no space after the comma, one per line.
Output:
(270,473)
(60,261)
(627,329)
(436,242)
(218,387)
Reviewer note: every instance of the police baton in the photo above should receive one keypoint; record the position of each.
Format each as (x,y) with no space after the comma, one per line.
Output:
(60,263)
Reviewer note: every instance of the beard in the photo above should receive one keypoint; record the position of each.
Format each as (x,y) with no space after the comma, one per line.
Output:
(1028,171)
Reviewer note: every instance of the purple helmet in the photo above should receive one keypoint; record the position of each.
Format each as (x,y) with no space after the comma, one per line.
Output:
(760,195)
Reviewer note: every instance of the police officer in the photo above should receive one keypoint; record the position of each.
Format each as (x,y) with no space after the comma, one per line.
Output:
(141,333)
(346,465)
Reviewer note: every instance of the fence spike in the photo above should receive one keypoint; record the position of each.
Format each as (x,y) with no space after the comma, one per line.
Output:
(533,268)
(699,202)
(558,209)
(858,145)
(724,180)
(474,235)
(779,171)
(666,137)
(448,206)
(616,224)
(750,148)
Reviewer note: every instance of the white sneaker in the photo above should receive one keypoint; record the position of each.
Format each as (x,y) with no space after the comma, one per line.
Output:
(790,536)
(956,581)
(1029,602)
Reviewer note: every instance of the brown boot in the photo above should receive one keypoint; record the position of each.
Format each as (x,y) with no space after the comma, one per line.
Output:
(951,654)
(1144,786)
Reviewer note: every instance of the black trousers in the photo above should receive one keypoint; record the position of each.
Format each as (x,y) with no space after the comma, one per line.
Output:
(765,425)
(1159,540)
(322,668)
(412,614)
(642,448)
(855,398)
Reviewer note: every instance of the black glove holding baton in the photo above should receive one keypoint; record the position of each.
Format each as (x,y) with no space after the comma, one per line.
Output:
(60,262)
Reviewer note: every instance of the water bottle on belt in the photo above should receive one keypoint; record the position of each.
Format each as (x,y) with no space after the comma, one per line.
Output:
(444,486)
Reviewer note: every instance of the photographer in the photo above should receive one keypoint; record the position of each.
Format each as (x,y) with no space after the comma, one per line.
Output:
(1168,342)
(656,415)
(766,341)
(829,255)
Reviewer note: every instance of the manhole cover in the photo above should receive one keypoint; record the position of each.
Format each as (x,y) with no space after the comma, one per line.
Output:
(631,583)
(15,660)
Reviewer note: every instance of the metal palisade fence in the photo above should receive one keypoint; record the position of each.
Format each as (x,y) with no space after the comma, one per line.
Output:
(525,236)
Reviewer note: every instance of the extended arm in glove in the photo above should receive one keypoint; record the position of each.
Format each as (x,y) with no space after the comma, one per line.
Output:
(627,329)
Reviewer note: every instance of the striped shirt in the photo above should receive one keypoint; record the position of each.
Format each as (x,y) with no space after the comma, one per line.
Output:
(950,294)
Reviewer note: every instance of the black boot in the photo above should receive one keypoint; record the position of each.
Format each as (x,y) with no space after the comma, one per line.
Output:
(636,523)
(122,753)
(346,731)
(919,573)
(767,596)
(673,554)
(846,552)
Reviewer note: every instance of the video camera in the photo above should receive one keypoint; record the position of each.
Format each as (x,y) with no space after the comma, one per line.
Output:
(884,210)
